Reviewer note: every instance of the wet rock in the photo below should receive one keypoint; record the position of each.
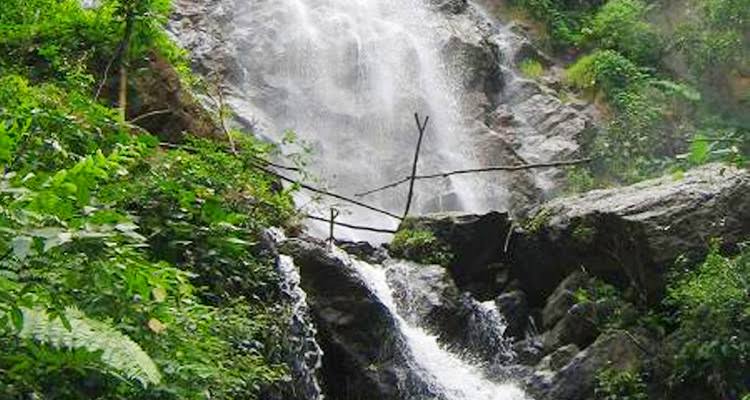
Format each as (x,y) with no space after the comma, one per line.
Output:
(629,236)
(528,351)
(562,299)
(364,251)
(451,6)
(427,295)
(575,327)
(577,379)
(559,358)
(477,242)
(361,344)
(477,65)
(514,307)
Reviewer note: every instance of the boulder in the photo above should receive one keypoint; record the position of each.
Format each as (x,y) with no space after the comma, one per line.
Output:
(577,379)
(477,243)
(558,358)
(562,299)
(426,296)
(514,307)
(478,66)
(451,6)
(630,236)
(359,336)
(575,327)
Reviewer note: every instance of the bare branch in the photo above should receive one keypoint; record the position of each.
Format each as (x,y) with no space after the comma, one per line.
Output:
(150,114)
(509,168)
(421,127)
(350,226)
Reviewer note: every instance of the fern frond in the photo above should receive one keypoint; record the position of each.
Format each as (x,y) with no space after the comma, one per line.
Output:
(118,352)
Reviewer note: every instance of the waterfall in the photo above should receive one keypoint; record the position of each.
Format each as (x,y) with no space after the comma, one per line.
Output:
(446,374)
(307,354)
(347,76)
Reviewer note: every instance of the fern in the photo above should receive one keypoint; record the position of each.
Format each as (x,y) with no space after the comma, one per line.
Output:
(119,354)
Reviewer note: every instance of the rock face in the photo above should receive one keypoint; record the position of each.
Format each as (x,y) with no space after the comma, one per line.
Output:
(576,379)
(477,242)
(358,334)
(173,111)
(629,236)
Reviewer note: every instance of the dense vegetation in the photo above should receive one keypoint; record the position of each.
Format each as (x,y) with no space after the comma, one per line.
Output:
(669,77)
(127,269)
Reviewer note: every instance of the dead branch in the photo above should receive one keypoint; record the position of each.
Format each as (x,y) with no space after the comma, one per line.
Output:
(350,226)
(325,192)
(149,114)
(421,127)
(509,168)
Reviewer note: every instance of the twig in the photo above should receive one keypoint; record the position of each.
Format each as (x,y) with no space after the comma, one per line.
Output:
(351,226)
(149,114)
(326,193)
(478,170)
(421,127)
(512,229)
(331,239)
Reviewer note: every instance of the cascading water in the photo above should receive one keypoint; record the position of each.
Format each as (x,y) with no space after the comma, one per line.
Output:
(347,77)
(446,375)
(306,353)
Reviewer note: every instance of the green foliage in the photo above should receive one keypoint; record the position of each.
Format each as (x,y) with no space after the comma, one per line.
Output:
(714,38)
(531,68)
(564,19)
(614,384)
(712,340)
(123,264)
(421,246)
(620,25)
(74,331)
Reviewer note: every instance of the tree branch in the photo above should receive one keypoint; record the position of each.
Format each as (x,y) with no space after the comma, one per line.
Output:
(351,226)
(421,127)
(149,114)
(508,168)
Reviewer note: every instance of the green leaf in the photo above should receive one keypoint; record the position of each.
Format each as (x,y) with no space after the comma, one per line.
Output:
(700,150)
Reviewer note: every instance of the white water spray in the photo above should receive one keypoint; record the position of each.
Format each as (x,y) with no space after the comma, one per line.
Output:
(445,372)
(347,77)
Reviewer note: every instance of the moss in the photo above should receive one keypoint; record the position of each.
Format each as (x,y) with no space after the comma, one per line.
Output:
(583,233)
(538,221)
(531,68)
(421,246)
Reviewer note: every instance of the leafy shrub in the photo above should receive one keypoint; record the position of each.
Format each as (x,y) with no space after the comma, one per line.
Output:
(613,384)
(714,38)
(620,25)
(158,249)
(531,68)
(712,340)
(421,246)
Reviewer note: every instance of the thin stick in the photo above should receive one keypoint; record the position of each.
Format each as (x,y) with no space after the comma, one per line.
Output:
(421,128)
(334,214)
(351,226)
(477,170)
(325,192)
(150,114)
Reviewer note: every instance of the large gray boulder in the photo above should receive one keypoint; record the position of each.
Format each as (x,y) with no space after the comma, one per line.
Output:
(630,236)
(576,380)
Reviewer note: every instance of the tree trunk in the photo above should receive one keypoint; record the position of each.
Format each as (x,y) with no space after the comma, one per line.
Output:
(124,61)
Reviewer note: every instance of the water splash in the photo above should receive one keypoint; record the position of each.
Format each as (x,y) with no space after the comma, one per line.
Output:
(347,76)
(444,372)
(308,356)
